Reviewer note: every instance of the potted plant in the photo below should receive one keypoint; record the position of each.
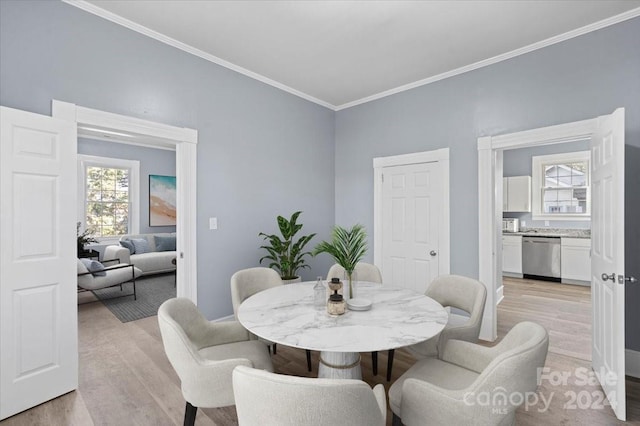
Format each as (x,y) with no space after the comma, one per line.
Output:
(285,253)
(83,238)
(347,247)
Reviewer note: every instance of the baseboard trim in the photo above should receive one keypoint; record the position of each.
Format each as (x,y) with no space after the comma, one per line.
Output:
(227,318)
(511,274)
(499,294)
(576,282)
(632,360)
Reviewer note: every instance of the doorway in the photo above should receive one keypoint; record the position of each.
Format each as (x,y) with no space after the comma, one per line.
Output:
(104,125)
(606,134)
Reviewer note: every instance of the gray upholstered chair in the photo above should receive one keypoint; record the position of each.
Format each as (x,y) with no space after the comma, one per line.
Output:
(462,293)
(204,354)
(371,273)
(247,282)
(471,384)
(452,291)
(110,276)
(264,399)
(364,272)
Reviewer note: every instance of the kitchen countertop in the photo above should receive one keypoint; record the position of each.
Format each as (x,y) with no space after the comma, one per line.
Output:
(552,232)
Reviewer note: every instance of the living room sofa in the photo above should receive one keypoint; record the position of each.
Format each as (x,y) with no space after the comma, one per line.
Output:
(151,253)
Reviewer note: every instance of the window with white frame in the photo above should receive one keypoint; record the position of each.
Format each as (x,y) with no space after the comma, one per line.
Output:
(108,196)
(561,186)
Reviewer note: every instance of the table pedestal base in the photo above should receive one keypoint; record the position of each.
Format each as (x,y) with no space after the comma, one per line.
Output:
(340,365)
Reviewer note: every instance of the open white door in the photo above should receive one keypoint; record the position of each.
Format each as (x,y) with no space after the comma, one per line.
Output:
(607,258)
(38,302)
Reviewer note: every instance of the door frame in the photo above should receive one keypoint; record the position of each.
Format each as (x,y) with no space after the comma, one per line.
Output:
(490,153)
(160,136)
(441,156)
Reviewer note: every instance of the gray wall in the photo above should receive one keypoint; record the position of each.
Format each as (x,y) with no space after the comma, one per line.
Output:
(517,162)
(152,162)
(578,79)
(261,152)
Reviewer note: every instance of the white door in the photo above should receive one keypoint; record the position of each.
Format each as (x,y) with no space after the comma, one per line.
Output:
(607,258)
(411,202)
(38,302)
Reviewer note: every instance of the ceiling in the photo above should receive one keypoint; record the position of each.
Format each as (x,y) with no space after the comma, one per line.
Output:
(342,53)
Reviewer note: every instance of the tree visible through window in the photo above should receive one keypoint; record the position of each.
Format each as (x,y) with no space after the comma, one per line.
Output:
(107,201)
(109,196)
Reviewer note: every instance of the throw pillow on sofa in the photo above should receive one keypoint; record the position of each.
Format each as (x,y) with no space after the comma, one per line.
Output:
(96,268)
(141,245)
(129,245)
(164,243)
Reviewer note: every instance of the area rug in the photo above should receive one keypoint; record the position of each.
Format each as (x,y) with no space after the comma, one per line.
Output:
(151,292)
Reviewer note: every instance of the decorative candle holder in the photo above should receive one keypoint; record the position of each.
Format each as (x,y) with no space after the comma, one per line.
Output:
(336,304)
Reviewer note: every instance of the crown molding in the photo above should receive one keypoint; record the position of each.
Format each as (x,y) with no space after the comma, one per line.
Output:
(630,14)
(91,8)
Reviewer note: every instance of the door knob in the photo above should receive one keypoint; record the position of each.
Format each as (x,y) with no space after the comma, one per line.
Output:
(433,253)
(622,279)
(611,277)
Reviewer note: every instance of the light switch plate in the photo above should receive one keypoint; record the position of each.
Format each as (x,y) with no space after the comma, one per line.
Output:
(213,223)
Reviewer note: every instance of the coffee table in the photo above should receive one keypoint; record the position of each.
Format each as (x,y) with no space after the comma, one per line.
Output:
(398,317)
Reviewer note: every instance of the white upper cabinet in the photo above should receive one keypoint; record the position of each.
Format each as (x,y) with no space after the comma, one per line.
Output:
(516,194)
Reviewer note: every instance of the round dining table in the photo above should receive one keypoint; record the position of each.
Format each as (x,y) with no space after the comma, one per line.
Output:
(398,317)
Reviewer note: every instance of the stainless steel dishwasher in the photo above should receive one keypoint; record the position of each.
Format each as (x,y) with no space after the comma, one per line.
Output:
(541,257)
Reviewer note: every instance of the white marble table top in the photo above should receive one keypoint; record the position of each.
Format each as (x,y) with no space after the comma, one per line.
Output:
(399,317)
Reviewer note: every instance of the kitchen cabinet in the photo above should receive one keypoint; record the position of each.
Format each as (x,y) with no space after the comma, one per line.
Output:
(575,258)
(516,194)
(512,255)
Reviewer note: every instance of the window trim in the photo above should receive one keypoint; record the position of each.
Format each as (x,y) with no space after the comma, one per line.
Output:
(133,166)
(537,185)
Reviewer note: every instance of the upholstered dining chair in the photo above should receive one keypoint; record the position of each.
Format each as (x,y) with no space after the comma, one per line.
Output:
(462,293)
(264,399)
(453,291)
(471,384)
(247,282)
(364,272)
(204,354)
(371,273)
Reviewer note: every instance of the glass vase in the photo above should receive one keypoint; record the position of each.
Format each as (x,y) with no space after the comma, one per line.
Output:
(350,282)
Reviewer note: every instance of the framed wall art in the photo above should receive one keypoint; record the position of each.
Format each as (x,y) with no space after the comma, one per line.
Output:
(162,200)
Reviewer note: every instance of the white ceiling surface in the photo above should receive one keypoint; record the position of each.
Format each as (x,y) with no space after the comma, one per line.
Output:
(341,53)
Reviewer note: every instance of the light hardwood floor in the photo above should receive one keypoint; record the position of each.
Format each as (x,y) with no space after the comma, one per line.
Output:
(125,378)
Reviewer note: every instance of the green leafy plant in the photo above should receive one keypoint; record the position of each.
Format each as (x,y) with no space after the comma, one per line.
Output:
(286,255)
(347,247)
(83,237)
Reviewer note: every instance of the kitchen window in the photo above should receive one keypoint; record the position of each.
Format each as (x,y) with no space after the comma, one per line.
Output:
(561,186)
(108,196)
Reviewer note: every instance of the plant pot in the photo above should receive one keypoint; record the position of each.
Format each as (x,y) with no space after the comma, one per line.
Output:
(293,280)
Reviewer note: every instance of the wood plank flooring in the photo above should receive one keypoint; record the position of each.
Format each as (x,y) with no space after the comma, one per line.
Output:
(125,378)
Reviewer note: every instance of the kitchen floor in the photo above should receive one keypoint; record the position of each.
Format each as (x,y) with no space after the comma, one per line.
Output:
(563,309)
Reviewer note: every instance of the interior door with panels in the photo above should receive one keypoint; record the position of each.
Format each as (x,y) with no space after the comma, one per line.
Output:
(411,201)
(38,302)
(607,258)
